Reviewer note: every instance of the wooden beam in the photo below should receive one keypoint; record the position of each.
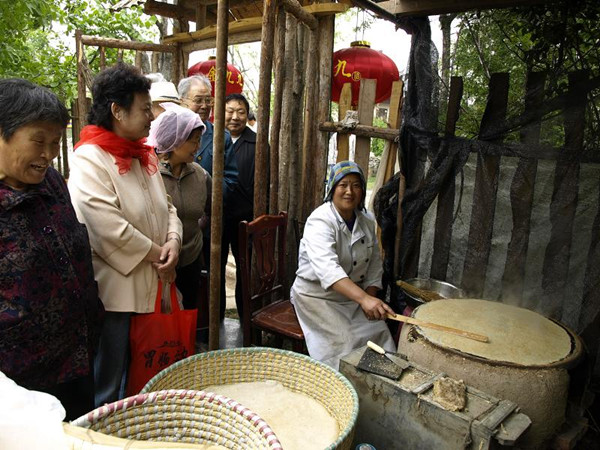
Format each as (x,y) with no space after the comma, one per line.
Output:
(293,7)
(390,134)
(239,26)
(343,141)
(239,38)
(155,8)
(436,7)
(376,9)
(127,45)
(326,9)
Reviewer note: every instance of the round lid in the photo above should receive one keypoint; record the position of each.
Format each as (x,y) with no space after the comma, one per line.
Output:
(517,335)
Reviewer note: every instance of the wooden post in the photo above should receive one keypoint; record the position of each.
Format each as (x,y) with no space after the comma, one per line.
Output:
(81,90)
(287,102)
(485,191)
(309,177)
(155,58)
(102,58)
(138,60)
(216,225)
(65,155)
(343,142)
(264,103)
(521,194)
(366,103)
(445,204)
(325,32)
(200,15)
(275,147)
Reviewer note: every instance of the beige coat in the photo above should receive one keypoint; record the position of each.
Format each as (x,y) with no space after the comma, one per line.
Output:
(124,214)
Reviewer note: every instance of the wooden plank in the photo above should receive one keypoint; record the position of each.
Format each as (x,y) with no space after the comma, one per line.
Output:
(200,16)
(445,204)
(126,45)
(264,107)
(309,176)
(216,220)
(177,12)
(343,142)
(394,124)
(239,26)
(234,39)
(555,269)
(485,189)
(366,103)
(436,7)
(277,106)
(325,31)
(521,194)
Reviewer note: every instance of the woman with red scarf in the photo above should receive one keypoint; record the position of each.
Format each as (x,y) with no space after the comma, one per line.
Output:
(119,195)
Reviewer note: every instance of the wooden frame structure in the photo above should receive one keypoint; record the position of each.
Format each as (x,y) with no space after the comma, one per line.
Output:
(296,46)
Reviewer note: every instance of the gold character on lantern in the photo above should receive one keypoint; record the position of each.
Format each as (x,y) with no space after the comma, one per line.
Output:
(341,67)
(212,74)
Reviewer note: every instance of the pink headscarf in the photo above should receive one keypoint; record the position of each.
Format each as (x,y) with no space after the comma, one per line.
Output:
(173,127)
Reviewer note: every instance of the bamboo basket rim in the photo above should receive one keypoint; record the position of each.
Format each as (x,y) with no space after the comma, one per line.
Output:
(342,436)
(227,407)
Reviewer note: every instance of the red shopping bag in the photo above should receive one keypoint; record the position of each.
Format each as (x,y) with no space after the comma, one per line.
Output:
(158,340)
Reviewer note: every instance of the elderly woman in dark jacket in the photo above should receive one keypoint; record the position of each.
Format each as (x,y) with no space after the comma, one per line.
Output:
(49,308)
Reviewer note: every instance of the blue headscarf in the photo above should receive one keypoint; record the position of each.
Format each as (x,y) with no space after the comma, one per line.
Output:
(339,171)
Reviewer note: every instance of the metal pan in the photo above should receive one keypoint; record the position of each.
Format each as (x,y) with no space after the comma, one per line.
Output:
(443,288)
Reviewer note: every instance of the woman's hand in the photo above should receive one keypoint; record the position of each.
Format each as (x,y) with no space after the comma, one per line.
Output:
(169,255)
(374,308)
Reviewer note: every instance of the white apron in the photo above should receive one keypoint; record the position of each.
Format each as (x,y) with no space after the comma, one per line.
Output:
(333,325)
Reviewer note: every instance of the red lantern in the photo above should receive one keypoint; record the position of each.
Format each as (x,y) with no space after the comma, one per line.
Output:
(235,80)
(359,61)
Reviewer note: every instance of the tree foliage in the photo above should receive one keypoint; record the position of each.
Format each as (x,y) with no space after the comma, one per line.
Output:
(38,38)
(554,38)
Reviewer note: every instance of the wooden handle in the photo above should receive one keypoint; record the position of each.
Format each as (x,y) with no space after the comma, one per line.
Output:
(377,348)
(423,294)
(435,326)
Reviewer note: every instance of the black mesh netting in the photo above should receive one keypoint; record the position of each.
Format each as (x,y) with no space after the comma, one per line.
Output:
(504,201)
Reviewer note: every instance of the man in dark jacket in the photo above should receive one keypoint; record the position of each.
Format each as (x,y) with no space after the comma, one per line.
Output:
(241,203)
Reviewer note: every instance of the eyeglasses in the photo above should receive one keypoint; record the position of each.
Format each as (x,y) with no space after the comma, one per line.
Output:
(208,101)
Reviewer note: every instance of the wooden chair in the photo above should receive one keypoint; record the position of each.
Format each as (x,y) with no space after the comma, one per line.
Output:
(267,306)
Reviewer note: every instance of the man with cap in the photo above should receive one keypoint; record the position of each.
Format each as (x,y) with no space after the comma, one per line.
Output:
(161,91)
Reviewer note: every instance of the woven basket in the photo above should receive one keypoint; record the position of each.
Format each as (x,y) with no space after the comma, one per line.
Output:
(296,372)
(194,417)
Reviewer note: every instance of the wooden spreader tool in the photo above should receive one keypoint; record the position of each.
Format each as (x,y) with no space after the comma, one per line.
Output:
(435,326)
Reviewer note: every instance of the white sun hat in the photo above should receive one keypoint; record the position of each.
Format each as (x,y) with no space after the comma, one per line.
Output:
(164,91)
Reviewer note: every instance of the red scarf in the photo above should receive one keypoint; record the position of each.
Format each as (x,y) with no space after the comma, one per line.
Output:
(122,149)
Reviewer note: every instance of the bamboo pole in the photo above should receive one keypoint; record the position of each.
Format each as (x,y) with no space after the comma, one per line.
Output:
(216,225)
(287,102)
(264,103)
(325,32)
(275,147)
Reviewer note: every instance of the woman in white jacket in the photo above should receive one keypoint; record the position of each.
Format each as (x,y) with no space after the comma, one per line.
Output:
(339,272)
(133,227)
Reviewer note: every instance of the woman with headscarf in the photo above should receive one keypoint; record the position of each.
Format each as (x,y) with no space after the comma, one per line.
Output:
(339,272)
(50,314)
(134,230)
(175,135)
